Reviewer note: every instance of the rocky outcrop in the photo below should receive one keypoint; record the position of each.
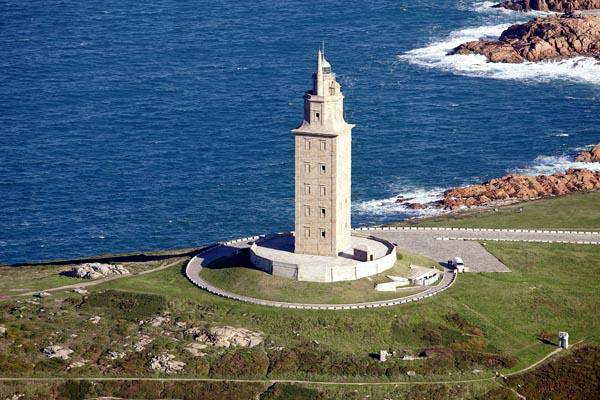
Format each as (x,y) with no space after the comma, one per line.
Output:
(56,351)
(549,5)
(589,156)
(97,270)
(166,363)
(227,336)
(521,187)
(2,331)
(549,38)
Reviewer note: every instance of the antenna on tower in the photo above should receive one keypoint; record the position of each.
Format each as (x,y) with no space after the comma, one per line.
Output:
(323,47)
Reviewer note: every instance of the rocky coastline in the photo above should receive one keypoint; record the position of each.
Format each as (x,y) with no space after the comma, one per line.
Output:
(514,188)
(541,39)
(549,5)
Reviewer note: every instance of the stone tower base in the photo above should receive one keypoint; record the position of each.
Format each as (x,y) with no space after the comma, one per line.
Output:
(275,255)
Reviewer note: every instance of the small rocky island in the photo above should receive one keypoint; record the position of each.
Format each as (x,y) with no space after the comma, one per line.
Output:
(541,39)
(549,5)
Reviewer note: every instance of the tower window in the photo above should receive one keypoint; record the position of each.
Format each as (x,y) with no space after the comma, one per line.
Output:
(323,234)
(323,190)
(306,189)
(323,169)
(306,211)
(307,168)
(323,213)
(307,144)
(323,145)
(317,116)
(306,232)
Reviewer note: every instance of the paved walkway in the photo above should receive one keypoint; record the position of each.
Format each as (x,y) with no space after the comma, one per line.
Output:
(442,244)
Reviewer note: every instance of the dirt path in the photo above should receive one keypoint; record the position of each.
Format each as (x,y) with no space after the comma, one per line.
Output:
(96,282)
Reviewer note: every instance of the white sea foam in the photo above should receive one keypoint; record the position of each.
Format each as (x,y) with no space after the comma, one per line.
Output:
(487,7)
(434,55)
(546,165)
(389,206)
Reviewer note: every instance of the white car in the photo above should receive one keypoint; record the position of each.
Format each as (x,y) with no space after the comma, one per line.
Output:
(458,264)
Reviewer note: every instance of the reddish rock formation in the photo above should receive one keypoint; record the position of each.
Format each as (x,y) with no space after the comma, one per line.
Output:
(522,187)
(549,38)
(589,156)
(549,5)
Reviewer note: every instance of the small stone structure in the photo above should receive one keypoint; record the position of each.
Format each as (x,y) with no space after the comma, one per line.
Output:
(363,253)
(275,255)
(563,340)
(422,276)
(395,283)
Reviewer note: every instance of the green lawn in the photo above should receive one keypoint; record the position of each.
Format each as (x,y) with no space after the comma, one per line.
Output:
(574,211)
(259,284)
(15,280)
(552,287)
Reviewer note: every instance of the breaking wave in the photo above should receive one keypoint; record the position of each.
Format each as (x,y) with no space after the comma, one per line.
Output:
(390,206)
(434,55)
(546,165)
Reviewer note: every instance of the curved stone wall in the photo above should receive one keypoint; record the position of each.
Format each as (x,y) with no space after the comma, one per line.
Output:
(309,272)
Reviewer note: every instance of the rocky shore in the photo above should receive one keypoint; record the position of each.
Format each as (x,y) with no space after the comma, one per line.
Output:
(511,188)
(589,156)
(549,5)
(549,38)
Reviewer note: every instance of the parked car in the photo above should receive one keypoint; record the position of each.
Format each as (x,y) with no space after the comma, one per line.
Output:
(458,264)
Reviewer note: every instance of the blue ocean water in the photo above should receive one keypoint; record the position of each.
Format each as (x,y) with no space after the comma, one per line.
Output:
(147,125)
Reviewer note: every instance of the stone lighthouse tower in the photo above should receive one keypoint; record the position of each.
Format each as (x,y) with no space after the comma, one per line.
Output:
(323,168)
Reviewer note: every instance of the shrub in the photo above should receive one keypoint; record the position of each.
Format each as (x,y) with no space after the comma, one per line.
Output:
(127,305)
(74,390)
(240,363)
(284,391)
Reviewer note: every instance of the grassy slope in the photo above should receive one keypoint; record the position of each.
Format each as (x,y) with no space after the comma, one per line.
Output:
(14,280)
(574,211)
(551,288)
(262,285)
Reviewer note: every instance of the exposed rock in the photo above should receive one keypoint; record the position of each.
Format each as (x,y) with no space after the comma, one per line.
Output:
(115,355)
(2,331)
(196,349)
(522,187)
(97,270)
(589,156)
(56,351)
(42,294)
(549,5)
(226,336)
(155,321)
(411,373)
(549,38)
(80,291)
(94,320)
(144,341)
(77,364)
(166,363)
(415,206)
